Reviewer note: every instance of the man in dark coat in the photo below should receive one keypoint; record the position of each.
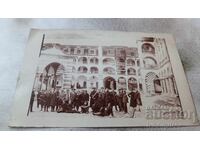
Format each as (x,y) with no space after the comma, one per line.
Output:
(93,96)
(53,98)
(120,99)
(78,100)
(58,101)
(100,102)
(111,100)
(47,101)
(72,97)
(139,101)
(125,101)
(85,106)
(86,97)
(135,100)
(95,102)
(114,98)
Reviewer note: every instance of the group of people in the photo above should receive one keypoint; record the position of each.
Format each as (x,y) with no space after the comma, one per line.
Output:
(101,102)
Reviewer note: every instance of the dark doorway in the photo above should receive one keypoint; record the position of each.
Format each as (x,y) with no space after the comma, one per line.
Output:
(157,86)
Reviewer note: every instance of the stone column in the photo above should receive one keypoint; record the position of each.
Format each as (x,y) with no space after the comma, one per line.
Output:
(169,87)
(175,88)
(165,85)
(161,83)
(172,86)
(100,67)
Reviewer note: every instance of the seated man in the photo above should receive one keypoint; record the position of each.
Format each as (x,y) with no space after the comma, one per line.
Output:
(85,107)
(104,111)
(67,108)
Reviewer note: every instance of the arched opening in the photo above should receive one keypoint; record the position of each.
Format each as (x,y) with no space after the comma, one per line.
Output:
(52,76)
(121,83)
(82,69)
(138,63)
(93,82)
(149,62)
(94,70)
(109,70)
(108,61)
(109,83)
(131,71)
(81,82)
(82,60)
(130,62)
(148,48)
(94,60)
(132,84)
(152,83)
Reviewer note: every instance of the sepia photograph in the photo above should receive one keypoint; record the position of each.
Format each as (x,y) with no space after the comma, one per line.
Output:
(91,76)
(105,81)
(73,66)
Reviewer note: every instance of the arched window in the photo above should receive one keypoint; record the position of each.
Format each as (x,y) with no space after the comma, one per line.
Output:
(93,82)
(94,70)
(108,61)
(148,48)
(152,83)
(138,63)
(109,70)
(82,69)
(130,62)
(131,71)
(52,76)
(150,62)
(82,60)
(82,82)
(94,60)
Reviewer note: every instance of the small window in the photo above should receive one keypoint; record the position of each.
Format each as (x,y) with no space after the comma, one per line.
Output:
(72,50)
(78,51)
(132,53)
(92,52)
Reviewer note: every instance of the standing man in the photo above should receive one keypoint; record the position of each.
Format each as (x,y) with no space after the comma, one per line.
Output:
(139,101)
(125,101)
(111,102)
(53,100)
(72,97)
(93,97)
(78,100)
(86,97)
(120,99)
(47,101)
(135,100)
(114,98)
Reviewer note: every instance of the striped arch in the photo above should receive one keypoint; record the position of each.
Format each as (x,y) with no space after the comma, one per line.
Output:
(149,82)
